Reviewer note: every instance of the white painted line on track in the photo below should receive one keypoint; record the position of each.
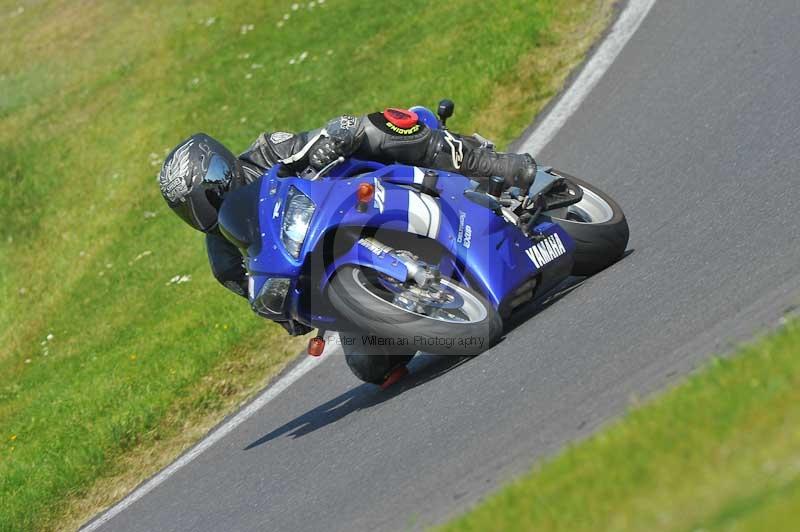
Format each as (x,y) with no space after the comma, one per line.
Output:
(625,26)
(623,29)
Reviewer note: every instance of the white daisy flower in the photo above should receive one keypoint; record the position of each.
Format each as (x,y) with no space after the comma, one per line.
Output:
(142,255)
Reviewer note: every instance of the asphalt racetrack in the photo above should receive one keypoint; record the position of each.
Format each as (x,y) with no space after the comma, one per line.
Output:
(695,130)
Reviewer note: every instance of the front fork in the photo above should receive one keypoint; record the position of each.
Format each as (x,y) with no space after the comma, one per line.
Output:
(373,254)
(368,252)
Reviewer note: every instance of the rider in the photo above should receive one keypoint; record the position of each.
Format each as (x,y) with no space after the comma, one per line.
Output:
(198,173)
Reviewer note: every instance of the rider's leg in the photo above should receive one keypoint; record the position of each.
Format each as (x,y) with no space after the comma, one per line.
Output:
(444,150)
(467,156)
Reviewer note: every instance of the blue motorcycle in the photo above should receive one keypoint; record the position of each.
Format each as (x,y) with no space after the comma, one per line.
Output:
(401,259)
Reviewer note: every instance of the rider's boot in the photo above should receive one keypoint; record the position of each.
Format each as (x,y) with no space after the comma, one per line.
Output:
(470,157)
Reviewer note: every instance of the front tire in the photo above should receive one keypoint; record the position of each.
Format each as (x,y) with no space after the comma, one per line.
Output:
(596,224)
(362,302)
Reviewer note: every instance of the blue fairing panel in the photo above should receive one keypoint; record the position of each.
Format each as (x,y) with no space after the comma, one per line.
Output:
(480,247)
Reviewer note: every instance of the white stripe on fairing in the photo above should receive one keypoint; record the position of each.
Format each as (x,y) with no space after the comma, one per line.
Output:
(629,20)
(419,218)
(623,29)
(436,215)
(418,175)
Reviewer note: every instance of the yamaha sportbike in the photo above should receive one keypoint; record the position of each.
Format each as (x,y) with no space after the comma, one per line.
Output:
(401,259)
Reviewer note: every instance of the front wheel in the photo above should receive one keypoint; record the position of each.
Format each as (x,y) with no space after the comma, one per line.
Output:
(444,317)
(596,224)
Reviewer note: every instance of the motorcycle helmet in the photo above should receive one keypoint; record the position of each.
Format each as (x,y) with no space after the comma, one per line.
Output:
(195,177)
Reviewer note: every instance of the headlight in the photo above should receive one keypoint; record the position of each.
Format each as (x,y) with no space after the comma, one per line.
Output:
(272,297)
(296,218)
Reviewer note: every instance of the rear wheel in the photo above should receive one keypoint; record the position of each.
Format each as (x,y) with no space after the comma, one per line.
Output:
(596,224)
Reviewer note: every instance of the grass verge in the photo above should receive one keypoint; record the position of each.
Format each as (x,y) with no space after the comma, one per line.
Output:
(109,366)
(718,452)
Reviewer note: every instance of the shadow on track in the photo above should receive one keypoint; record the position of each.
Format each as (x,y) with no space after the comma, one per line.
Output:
(529,310)
(423,368)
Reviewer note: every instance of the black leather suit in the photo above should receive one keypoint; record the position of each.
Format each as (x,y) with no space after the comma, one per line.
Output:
(372,137)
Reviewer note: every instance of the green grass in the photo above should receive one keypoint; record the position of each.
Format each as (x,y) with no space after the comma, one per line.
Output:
(719,452)
(92,96)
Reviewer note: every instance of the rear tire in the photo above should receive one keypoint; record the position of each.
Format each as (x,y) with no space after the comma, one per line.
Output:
(598,244)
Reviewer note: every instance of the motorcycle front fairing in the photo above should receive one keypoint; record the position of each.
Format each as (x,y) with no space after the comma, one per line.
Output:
(481,249)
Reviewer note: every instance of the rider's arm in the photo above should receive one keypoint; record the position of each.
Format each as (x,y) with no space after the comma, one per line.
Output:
(280,146)
(226,264)
(296,151)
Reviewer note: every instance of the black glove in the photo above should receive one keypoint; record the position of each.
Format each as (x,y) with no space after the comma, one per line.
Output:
(325,151)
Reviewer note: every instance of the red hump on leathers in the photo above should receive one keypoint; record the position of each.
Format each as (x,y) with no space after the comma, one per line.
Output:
(403,118)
